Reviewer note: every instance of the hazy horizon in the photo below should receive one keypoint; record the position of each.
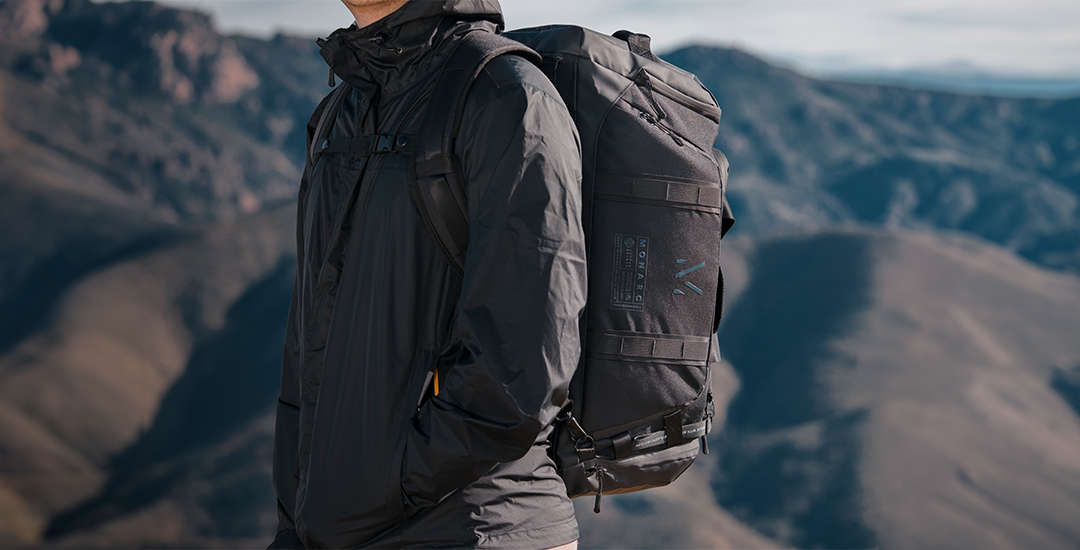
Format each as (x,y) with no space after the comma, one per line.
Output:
(1005,46)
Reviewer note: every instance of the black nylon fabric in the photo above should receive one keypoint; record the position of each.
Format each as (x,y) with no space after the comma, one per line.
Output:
(357,463)
(653,191)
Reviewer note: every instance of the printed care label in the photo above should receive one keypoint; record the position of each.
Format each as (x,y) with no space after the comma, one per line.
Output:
(628,283)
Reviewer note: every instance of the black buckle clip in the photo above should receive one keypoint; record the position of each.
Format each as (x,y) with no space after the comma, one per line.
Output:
(382,143)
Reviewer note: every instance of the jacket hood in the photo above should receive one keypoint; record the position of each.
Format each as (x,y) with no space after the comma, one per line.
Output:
(390,52)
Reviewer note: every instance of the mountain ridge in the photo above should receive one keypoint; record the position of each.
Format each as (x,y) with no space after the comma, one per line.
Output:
(880,325)
(928,382)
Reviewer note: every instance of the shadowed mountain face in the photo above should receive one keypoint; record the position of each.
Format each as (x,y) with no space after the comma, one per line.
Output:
(895,389)
(902,391)
(225,390)
(783,331)
(99,393)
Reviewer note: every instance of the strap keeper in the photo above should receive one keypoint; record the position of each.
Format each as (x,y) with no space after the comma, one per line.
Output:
(673,429)
(624,445)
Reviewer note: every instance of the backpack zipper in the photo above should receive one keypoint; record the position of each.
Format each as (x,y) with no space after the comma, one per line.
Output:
(679,140)
(645,82)
(660,87)
(663,128)
(642,80)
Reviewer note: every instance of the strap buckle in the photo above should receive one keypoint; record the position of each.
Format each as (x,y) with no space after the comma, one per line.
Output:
(382,143)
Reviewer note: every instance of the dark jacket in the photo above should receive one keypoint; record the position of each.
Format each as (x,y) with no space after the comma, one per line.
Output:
(364,456)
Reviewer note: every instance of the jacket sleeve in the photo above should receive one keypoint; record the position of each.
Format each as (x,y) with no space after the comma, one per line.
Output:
(287,424)
(516,325)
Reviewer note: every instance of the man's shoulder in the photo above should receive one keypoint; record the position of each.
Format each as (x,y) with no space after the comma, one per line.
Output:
(511,83)
(511,96)
(511,78)
(510,70)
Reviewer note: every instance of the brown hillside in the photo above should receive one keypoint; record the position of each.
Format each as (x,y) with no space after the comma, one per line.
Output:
(902,390)
(87,385)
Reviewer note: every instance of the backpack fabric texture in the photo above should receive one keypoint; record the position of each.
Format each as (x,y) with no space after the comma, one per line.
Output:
(654,214)
(653,198)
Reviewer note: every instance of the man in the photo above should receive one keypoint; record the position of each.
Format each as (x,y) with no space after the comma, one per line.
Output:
(368,453)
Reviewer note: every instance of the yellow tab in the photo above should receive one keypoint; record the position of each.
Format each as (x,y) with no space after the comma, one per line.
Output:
(436,381)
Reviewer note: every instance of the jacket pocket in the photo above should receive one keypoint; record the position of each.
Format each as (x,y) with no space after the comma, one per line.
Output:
(420,381)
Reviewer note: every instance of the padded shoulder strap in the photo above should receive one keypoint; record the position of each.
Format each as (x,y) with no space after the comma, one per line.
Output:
(439,190)
(326,120)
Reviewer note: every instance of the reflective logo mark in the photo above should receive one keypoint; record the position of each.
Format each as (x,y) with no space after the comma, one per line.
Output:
(686,272)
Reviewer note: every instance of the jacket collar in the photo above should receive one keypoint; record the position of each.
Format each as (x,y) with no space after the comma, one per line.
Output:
(392,52)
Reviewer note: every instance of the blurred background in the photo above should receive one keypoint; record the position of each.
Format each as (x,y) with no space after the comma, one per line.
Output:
(902,330)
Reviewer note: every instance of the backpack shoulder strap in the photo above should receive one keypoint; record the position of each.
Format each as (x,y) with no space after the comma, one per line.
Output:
(439,182)
(325,121)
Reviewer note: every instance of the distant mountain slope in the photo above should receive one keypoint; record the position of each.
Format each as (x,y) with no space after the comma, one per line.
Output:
(807,152)
(84,388)
(927,404)
(204,462)
(196,125)
(150,105)
(902,391)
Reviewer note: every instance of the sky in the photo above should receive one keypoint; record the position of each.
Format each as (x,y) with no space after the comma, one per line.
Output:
(1022,39)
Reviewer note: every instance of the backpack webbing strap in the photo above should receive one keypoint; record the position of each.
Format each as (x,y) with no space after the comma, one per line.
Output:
(328,115)
(438,186)
(689,348)
(665,438)
(642,187)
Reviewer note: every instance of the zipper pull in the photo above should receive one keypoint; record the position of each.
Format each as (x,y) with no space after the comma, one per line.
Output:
(331,82)
(652,120)
(600,488)
(678,140)
(710,411)
(644,81)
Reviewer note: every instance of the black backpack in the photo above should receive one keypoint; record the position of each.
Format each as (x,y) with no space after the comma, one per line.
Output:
(654,213)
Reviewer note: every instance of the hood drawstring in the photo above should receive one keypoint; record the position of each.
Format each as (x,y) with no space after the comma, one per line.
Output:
(380,41)
(331,82)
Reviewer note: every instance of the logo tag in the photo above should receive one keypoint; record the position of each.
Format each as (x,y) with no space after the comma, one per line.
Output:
(631,263)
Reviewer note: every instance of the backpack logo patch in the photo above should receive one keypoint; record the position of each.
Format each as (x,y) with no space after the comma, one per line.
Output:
(686,272)
(631,263)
